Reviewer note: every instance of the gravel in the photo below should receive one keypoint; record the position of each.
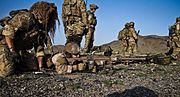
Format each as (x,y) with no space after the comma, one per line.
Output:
(134,80)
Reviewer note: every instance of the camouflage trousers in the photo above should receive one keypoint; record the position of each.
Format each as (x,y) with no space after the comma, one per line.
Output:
(174,47)
(124,44)
(132,47)
(6,61)
(89,39)
(74,32)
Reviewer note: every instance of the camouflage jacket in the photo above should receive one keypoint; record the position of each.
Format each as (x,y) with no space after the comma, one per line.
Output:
(25,30)
(132,34)
(74,11)
(91,18)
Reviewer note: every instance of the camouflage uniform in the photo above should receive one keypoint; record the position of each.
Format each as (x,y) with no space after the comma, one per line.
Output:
(92,22)
(178,24)
(22,41)
(6,60)
(74,18)
(132,41)
(27,30)
(61,63)
(174,38)
(63,66)
(124,37)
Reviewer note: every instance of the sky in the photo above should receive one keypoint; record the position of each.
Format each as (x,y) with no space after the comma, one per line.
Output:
(151,17)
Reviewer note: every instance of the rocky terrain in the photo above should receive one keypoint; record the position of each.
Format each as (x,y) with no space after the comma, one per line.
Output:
(133,80)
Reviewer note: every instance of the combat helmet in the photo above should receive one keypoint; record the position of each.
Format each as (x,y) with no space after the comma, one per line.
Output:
(3,20)
(72,48)
(126,25)
(178,19)
(93,6)
(131,23)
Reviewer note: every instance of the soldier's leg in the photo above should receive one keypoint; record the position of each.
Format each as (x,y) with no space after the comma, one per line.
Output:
(40,55)
(124,46)
(6,62)
(91,40)
(88,40)
(134,47)
(130,48)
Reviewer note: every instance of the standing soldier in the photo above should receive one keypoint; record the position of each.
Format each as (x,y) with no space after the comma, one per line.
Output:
(27,29)
(74,18)
(178,24)
(132,42)
(92,22)
(124,37)
(174,39)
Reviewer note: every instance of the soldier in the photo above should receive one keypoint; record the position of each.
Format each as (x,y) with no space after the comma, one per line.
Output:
(74,18)
(178,24)
(29,29)
(63,66)
(124,37)
(132,41)
(6,66)
(92,22)
(174,39)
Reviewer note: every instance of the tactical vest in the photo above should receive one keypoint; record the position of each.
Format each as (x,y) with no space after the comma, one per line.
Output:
(91,18)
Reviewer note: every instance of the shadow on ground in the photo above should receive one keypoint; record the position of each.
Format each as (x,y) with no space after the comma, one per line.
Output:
(138,91)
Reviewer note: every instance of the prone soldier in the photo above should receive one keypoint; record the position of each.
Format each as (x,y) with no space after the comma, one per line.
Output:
(64,66)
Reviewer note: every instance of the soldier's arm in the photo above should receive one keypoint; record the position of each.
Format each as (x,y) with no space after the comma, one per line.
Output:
(132,30)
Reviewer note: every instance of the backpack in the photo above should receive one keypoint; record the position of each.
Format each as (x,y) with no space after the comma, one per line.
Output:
(22,20)
(25,26)
(71,8)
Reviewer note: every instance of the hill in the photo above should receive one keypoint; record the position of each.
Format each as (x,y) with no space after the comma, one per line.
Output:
(146,44)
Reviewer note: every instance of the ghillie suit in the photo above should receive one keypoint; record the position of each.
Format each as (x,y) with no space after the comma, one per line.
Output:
(28,29)
(74,18)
